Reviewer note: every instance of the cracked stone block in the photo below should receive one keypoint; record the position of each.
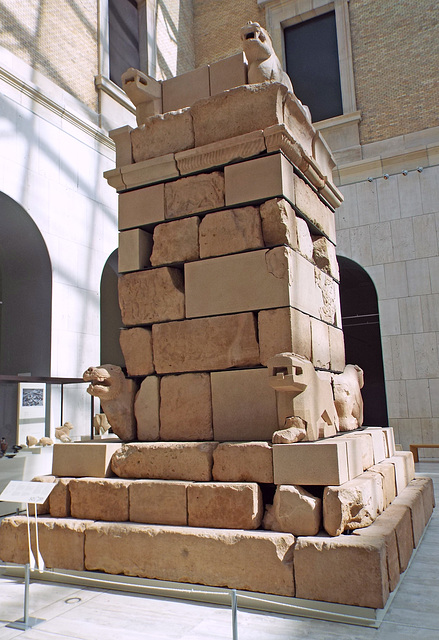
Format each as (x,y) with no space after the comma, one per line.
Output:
(294,510)
(186,407)
(147,409)
(225,505)
(231,231)
(243,462)
(176,241)
(136,345)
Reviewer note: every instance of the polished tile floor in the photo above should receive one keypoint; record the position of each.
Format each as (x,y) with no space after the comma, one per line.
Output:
(89,613)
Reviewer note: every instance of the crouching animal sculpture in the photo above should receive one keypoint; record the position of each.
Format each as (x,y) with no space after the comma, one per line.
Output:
(263,63)
(116,394)
(347,397)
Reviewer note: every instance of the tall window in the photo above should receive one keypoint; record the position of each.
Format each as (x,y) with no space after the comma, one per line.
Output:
(123,18)
(311,53)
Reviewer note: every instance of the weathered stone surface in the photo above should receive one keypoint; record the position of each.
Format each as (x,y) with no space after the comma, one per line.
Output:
(151,296)
(259,179)
(314,210)
(221,152)
(61,541)
(205,344)
(366,447)
(45,507)
(304,241)
(278,223)
(389,439)
(384,528)
(142,206)
(404,469)
(307,463)
(379,445)
(337,361)
(149,171)
(134,252)
(163,134)
(230,231)
(401,520)
(243,462)
(136,345)
(325,257)
(353,505)
(78,459)
(283,330)
(225,505)
(426,487)
(243,405)
(99,499)
(176,241)
(327,291)
(238,111)
(347,397)
(186,407)
(320,352)
(200,556)
(254,280)
(193,194)
(387,472)
(346,569)
(59,499)
(147,409)
(165,461)
(411,497)
(116,394)
(158,502)
(294,510)
(184,89)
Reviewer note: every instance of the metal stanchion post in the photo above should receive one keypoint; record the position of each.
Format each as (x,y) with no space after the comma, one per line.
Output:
(26,595)
(234,615)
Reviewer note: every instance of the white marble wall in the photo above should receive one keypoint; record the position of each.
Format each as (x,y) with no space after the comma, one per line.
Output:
(391,227)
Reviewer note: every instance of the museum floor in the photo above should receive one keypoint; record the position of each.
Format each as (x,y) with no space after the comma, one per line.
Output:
(72,612)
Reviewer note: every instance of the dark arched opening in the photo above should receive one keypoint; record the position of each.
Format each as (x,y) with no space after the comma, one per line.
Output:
(361,327)
(111,320)
(26,293)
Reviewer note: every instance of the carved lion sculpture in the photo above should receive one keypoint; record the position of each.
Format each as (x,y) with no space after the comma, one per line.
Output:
(347,397)
(62,433)
(116,393)
(263,63)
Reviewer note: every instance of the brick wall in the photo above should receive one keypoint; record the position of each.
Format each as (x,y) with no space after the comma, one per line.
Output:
(56,37)
(395,51)
(217,26)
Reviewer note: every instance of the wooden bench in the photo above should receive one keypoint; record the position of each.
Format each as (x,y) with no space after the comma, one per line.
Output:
(414,449)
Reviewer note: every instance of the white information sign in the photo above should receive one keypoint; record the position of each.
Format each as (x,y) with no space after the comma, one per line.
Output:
(20,491)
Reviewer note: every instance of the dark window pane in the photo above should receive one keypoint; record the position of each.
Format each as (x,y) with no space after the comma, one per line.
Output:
(312,64)
(124,37)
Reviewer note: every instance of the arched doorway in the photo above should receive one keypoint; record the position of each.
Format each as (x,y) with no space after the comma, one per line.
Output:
(361,327)
(26,293)
(111,320)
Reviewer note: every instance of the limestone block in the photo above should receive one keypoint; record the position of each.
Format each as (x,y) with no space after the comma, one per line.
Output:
(44,508)
(227,73)
(278,223)
(61,541)
(147,409)
(379,445)
(389,441)
(256,280)
(259,179)
(243,405)
(337,360)
(77,459)
(136,345)
(327,290)
(149,171)
(411,497)
(426,487)
(366,447)
(165,461)
(354,504)
(59,499)
(150,296)
(194,194)
(283,330)
(324,462)
(387,472)
(321,356)
(225,505)
(135,246)
(185,89)
(186,407)
(238,111)
(176,241)
(141,207)
(163,134)
(158,502)
(347,397)
(404,469)
(298,122)
(230,231)
(384,528)
(307,201)
(325,257)
(400,519)
(304,241)
(220,153)
(99,499)
(122,140)
(243,462)
(144,92)
(294,510)
(195,555)
(346,569)
(205,344)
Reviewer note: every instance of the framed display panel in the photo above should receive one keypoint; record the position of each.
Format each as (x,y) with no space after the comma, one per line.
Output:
(31,413)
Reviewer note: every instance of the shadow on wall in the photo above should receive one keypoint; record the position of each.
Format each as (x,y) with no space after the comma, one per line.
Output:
(361,327)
